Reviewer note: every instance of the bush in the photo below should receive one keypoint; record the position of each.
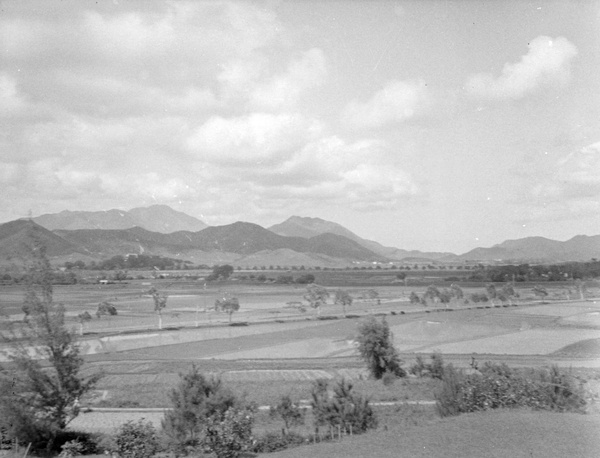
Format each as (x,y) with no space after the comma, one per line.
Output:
(289,412)
(274,442)
(376,348)
(345,409)
(194,400)
(435,369)
(499,386)
(228,435)
(136,439)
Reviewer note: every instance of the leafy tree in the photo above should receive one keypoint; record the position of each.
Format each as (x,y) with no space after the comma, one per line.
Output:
(508,291)
(457,291)
(193,401)
(228,305)
(120,275)
(229,435)
(83,318)
(160,302)
(289,412)
(316,296)
(305,279)
(375,346)
(345,409)
(106,308)
(136,439)
(414,298)
(343,298)
(222,272)
(41,391)
(432,293)
(492,292)
(540,291)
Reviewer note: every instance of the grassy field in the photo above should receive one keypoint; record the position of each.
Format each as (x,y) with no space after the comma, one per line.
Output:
(499,434)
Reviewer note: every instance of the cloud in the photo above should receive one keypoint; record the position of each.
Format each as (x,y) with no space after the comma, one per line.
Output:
(571,189)
(284,90)
(254,138)
(398,101)
(547,62)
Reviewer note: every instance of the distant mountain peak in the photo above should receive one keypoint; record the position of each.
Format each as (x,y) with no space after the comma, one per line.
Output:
(156,218)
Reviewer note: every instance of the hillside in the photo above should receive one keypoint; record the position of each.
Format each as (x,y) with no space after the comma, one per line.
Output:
(239,238)
(17,238)
(156,218)
(540,249)
(297,226)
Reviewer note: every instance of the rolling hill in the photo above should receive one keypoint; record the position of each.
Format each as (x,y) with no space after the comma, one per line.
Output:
(539,249)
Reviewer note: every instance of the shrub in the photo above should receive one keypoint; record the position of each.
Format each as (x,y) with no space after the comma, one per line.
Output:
(194,400)
(136,439)
(345,409)
(274,442)
(376,348)
(228,435)
(500,386)
(289,412)
(435,369)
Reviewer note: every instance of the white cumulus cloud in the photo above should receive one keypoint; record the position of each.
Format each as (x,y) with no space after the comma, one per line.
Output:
(251,139)
(547,61)
(396,102)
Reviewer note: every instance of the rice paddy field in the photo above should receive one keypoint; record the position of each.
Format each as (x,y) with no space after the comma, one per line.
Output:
(272,348)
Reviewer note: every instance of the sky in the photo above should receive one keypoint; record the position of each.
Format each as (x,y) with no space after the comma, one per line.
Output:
(428,125)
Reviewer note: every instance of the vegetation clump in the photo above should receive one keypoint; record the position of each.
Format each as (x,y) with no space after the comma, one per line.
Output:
(344,411)
(499,386)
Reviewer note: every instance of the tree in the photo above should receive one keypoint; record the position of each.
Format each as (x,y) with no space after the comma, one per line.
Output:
(375,346)
(402,276)
(221,272)
(228,305)
(345,410)
(289,412)
(229,435)
(106,308)
(457,291)
(160,302)
(193,401)
(492,293)
(414,298)
(316,296)
(432,293)
(540,291)
(343,298)
(41,391)
(508,291)
(83,318)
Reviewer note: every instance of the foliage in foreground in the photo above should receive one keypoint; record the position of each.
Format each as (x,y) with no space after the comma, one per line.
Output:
(346,410)
(136,440)
(195,400)
(497,386)
(376,347)
(39,400)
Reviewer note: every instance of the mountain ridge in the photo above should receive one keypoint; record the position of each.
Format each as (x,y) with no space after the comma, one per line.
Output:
(305,236)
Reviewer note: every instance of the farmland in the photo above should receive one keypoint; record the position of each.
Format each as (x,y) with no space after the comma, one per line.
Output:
(274,348)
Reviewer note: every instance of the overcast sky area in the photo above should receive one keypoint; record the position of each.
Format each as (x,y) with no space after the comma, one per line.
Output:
(438,126)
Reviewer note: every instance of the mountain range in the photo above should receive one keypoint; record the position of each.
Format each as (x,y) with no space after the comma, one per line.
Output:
(160,230)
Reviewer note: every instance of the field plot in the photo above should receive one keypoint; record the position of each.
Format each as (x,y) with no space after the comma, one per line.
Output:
(528,342)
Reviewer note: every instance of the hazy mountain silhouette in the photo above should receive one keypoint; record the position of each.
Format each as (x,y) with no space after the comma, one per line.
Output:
(297,226)
(156,218)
